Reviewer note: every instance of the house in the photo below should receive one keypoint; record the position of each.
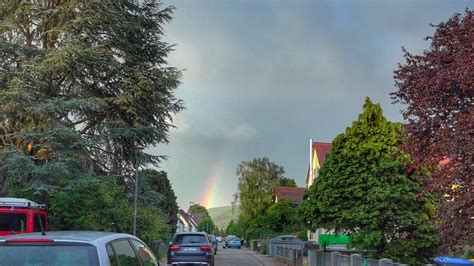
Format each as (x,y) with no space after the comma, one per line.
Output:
(197,218)
(185,222)
(292,194)
(318,153)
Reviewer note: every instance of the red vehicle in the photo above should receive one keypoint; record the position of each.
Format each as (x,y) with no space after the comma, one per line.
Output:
(22,216)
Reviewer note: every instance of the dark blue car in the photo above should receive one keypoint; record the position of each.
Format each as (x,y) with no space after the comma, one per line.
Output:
(191,248)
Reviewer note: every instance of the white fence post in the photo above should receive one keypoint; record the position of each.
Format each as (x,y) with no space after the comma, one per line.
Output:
(385,262)
(334,258)
(354,260)
(311,257)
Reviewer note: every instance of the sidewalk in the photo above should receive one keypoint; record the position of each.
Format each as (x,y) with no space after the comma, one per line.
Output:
(264,259)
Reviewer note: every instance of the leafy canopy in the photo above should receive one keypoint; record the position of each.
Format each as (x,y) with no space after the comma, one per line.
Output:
(437,88)
(207,225)
(155,190)
(196,208)
(257,180)
(364,189)
(287,182)
(233,228)
(280,218)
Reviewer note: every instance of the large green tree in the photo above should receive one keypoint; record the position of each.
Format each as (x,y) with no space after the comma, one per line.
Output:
(287,182)
(155,191)
(196,208)
(233,228)
(282,216)
(365,190)
(207,225)
(84,86)
(257,180)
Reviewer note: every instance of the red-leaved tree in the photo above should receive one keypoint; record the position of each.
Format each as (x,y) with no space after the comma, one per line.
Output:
(437,89)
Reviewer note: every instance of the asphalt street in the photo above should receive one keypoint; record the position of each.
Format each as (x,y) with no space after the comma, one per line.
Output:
(230,257)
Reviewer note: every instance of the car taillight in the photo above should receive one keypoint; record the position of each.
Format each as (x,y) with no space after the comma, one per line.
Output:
(29,240)
(175,248)
(206,248)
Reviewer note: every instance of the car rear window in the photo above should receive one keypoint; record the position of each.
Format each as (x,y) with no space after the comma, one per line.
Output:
(189,239)
(73,255)
(13,222)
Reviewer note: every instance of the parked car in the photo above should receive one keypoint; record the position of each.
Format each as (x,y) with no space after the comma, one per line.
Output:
(191,248)
(214,243)
(19,216)
(286,237)
(233,242)
(226,239)
(219,239)
(75,248)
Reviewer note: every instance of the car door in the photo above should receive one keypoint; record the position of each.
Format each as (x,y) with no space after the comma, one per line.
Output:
(146,255)
(123,253)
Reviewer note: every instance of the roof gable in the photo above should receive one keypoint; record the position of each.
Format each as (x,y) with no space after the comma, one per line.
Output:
(189,219)
(322,149)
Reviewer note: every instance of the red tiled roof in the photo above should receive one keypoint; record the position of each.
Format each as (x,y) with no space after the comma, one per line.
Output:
(292,194)
(196,217)
(322,149)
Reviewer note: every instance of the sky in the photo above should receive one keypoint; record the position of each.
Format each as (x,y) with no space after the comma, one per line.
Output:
(260,78)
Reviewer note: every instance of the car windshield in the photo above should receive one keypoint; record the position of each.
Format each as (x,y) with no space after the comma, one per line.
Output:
(189,239)
(72,255)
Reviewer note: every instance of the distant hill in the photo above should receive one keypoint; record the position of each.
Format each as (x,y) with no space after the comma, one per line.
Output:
(223,215)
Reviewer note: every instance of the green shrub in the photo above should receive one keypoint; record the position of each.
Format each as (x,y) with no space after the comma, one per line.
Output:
(91,205)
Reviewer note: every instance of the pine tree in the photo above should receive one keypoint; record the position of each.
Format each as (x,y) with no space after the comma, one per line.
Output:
(84,86)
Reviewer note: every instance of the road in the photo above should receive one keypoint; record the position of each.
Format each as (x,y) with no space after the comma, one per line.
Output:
(230,257)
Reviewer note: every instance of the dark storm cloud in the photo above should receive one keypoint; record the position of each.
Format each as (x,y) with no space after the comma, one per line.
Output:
(262,77)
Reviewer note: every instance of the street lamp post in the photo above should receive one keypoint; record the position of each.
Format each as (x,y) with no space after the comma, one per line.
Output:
(136,193)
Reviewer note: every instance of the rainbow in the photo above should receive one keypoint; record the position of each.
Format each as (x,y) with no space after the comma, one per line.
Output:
(212,183)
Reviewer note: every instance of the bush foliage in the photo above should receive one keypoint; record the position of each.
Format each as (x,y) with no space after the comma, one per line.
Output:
(366,190)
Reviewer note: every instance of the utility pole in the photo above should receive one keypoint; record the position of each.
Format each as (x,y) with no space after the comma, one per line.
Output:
(136,191)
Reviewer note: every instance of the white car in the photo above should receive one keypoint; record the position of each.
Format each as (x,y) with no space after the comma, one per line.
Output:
(86,248)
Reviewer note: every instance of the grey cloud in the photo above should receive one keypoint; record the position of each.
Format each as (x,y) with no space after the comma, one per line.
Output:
(207,129)
(262,77)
